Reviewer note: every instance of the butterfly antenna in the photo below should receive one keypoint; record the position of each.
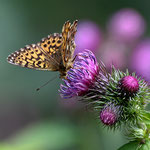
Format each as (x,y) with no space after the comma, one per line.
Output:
(46,83)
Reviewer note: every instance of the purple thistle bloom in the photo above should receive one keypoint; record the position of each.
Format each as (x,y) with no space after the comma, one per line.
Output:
(129,84)
(109,114)
(116,98)
(81,77)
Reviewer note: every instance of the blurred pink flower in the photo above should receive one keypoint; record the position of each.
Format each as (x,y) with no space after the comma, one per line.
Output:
(140,59)
(88,36)
(113,53)
(126,25)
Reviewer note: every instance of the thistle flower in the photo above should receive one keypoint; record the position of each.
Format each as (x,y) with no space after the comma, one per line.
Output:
(129,85)
(81,77)
(93,85)
(109,114)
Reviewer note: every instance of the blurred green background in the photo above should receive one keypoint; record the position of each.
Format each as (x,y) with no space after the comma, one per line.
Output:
(31,120)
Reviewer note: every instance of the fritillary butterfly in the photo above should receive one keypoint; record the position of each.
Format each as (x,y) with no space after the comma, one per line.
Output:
(54,53)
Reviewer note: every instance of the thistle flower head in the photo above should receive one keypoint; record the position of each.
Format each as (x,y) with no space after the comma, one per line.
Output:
(109,115)
(129,84)
(81,77)
(111,95)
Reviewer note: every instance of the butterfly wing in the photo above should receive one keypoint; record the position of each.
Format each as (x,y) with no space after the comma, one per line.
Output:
(38,56)
(53,53)
(68,32)
(51,47)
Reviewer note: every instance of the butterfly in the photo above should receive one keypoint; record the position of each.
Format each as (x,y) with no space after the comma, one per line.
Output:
(54,53)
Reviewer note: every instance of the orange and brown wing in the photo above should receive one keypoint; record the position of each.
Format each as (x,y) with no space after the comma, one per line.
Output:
(68,33)
(52,53)
(51,47)
(31,57)
(45,55)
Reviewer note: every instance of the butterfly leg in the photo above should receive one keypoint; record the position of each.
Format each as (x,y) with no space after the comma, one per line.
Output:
(74,58)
